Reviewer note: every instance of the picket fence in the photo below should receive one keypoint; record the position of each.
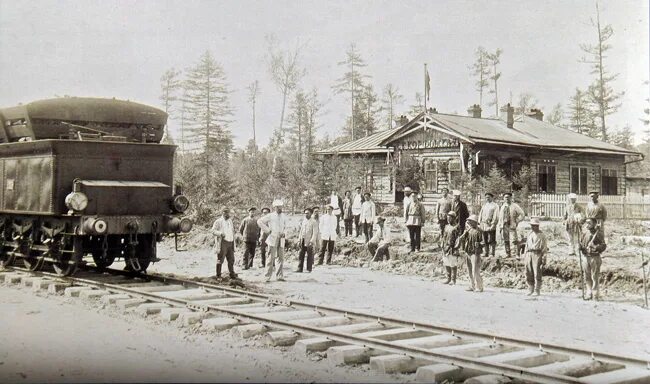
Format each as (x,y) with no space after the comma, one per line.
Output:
(618,207)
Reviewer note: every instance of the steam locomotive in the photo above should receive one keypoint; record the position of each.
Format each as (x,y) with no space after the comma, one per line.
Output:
(82,176)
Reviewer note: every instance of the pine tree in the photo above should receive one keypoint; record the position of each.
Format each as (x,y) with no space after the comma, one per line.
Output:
(392,98)
(494,60)
(369,110)
(600,92)
(481,71)
(580,117)
(298,120)
(253,92)
(209,114)
(352,82)
(556,116)
(313,109)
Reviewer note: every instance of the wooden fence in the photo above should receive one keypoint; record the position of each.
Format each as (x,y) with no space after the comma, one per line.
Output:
(618,207)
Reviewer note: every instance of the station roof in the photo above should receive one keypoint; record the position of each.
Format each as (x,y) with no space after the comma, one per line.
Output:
(526,132)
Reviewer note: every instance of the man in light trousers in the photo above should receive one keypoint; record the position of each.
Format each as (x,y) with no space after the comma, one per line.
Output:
(275,224)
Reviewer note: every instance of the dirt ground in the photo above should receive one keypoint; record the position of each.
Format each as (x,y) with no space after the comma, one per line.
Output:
(64,340)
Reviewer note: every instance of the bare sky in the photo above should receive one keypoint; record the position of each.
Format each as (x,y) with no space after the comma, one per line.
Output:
(121,48)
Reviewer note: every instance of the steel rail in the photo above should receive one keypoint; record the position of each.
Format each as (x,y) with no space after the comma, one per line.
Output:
(344,338)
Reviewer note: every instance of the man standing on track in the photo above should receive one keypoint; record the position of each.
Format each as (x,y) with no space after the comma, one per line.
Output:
(306,241)
(275,225)
(488,218)
(263,237)
(471,242)
(251,233)
(535,257)
(224,242)
(368,215)
(357,202)
(592,244)
(596,210)
(509,217)
(462,213)
(327,230)
(574,216)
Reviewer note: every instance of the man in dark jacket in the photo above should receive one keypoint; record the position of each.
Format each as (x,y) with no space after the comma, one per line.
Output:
(251,233)
(462,213)
(592,244)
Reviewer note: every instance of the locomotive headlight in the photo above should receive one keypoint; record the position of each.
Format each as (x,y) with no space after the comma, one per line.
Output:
(180,203)
(77,201)
(95,226)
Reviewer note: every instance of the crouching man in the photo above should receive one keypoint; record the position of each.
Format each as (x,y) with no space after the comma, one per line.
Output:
(378,245)
(592,244)
(535,257)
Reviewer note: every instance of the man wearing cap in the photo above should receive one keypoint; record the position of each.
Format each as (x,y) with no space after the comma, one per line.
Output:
(263,237)
(316,217)
(472,244)
(327,230)
(224,240)
(337,203)
(509,217)
(347,214)
(592,244)
(357,202)
(451,257)
(574,216)
(307,240)
(488,218)
(443,207)
(535,257)
(596,210)
(459,206)
(378,245)
(407,198)
(368,215)
(251,232)
(275,225)
(414,218)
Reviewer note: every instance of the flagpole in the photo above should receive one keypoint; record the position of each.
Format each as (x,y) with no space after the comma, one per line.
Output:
(425,96)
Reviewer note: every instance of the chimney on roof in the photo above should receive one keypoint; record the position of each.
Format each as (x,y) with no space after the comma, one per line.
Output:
(475,111)
(510,121)
(536,113)
(403,120)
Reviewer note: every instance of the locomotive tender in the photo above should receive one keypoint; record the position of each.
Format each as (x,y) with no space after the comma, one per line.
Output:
(85,176)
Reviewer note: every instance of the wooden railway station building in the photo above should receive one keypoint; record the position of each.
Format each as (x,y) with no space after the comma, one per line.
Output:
(448,146)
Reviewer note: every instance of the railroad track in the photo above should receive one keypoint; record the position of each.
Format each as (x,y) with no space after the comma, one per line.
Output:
(434,353)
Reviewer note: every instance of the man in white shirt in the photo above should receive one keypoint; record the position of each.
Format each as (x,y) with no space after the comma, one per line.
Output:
(510,215)
(275,225)
(407,198)
(357,201)
(223,230)
(327,228)
(378,245)
(337,203)
(367,215)
(307,240)
(488,218)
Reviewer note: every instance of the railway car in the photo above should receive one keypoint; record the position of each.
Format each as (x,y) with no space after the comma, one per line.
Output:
(86,176)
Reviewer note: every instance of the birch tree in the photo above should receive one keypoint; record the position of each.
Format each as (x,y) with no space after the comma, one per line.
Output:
(494,60)
(392,98)
(170,84)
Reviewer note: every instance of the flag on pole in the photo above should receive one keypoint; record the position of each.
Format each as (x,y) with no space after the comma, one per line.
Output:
(427,83)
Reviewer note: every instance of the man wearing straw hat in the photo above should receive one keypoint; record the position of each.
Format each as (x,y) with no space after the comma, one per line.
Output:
(574,216)
(535,257)
(223,230)
(275,225)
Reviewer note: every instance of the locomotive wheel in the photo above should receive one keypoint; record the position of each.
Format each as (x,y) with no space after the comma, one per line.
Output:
(102,261)
(30,259)
(67,262)
(6,258)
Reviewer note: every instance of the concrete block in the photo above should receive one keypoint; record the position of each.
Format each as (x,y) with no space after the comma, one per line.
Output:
(29,281)
(428,342)
(520,358)
(74,291)
(93,294)
(325,321)
(291,315)
(620,376)
(222,301)
(282,338)
(250,330)
(315,344)
(13,278)
(439,373)
(395,334)
(172,313)
(478,350)
(190,293)
(161,288)
(147,309)
(219,323)
(257,308)
(189,318)
(111,299)
(352,354)
(129,303)
(356,328)
(396,364)
(41,285)
(57,288)
(488,379)
(578,367)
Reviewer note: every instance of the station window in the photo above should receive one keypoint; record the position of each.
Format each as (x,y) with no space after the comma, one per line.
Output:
(609,182)
(546,178)
(430,176)
(579,180)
